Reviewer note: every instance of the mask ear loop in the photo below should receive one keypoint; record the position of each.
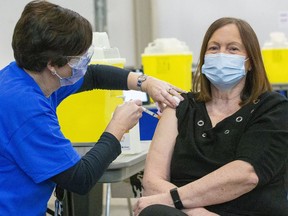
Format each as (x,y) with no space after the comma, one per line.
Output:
(53,72)
(249,64)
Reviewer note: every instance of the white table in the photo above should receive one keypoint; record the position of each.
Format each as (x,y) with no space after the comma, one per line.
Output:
(123,167)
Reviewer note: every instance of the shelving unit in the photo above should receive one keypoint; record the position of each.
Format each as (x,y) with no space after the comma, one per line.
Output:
(281,88)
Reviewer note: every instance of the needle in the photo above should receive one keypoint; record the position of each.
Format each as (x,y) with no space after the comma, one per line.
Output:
(150,113)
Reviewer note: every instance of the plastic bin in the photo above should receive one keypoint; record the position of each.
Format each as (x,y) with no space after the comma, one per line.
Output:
(147,125)
(275,56)
(169,59)
(276,64)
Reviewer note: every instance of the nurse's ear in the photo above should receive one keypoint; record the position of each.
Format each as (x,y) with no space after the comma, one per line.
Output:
(51,68)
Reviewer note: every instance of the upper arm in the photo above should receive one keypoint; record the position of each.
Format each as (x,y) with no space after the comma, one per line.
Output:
(159,156)
(42,133)
(264,144)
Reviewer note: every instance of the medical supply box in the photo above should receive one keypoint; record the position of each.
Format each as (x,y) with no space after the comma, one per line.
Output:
(275,57)
(170,60)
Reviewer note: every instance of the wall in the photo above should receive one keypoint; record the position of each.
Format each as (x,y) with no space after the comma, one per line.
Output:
(186,20)
(10,11)
(121,29)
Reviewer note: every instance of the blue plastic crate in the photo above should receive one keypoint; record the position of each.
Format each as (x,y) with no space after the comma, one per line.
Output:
(147,125)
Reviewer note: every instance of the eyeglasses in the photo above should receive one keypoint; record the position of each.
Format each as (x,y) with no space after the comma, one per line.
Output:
(78,62)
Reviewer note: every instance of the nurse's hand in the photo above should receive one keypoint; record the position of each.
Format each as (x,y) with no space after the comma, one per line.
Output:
(124,118)
(162,92)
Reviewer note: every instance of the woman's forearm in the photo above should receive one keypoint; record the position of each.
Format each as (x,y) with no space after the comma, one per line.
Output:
(157,187)
(225,184)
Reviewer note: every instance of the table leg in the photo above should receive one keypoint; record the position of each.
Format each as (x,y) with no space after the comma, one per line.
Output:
(108,198)
(130,207)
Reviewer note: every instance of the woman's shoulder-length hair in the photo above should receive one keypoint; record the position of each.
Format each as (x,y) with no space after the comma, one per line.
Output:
(256,78)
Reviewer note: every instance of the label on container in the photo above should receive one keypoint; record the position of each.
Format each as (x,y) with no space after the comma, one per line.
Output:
(130,142)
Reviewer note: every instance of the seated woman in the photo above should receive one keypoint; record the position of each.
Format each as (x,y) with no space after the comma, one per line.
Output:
(223,151)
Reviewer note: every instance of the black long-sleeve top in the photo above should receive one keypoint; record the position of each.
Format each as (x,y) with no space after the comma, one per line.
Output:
(83,175)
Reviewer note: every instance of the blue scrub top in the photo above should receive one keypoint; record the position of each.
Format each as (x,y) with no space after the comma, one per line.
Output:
(32,146)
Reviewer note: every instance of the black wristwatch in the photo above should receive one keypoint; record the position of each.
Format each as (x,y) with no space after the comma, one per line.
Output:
(176,199)
(140,80)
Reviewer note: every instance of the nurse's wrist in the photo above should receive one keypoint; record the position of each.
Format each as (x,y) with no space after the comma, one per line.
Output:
(116,130)
(145,85)
(140,82)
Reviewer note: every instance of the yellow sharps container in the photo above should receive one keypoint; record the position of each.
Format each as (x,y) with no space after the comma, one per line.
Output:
(169,59)
(84,116)
(275,57)
(276,64)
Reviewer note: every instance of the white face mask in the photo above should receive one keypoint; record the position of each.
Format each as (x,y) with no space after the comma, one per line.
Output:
(224,71)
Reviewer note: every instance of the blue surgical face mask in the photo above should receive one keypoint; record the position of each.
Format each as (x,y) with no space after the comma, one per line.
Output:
(224,71)
(77,74)
(79,65)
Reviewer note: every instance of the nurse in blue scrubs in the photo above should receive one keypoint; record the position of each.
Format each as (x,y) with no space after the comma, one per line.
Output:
(52,49)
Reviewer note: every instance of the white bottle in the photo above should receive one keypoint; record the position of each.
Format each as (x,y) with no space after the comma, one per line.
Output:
(130,142)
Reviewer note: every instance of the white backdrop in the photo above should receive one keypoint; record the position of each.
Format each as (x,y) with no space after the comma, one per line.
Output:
(187,20)
(10,11)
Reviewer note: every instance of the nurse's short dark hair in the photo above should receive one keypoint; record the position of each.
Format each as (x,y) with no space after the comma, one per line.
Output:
(47,32)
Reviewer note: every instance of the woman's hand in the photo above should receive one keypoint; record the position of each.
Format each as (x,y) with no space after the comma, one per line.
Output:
(124,118)
(162,92)
(165,199)
(143,202)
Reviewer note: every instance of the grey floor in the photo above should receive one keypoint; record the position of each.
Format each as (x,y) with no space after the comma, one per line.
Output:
(118,206)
